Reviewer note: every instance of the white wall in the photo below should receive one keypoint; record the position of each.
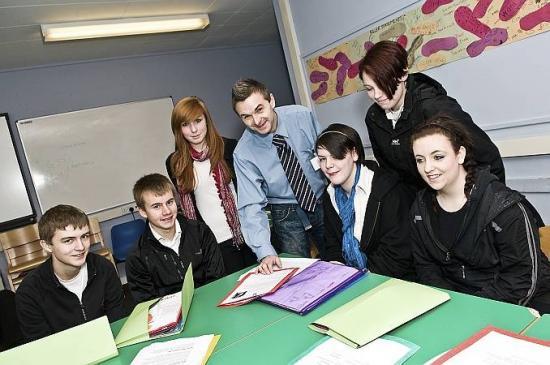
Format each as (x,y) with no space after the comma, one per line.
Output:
(504,89)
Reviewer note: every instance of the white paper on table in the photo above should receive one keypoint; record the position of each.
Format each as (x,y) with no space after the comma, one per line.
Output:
(289,262)
(498,348)
(165,312)
(255,285)
(183,351)
(381,351)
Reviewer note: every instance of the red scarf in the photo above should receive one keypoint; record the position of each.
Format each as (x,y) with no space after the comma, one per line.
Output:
(225,194)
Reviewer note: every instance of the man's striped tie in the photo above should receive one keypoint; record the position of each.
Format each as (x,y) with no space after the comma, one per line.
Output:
(295,175)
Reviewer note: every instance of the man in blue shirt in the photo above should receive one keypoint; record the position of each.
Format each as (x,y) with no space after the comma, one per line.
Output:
(263,179)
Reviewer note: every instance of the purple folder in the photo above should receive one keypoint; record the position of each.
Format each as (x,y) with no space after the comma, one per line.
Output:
(313,286)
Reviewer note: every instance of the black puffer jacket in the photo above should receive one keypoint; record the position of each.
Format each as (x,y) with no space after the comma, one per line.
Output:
(497,252)
(424,98)
(385,236)
(155,270)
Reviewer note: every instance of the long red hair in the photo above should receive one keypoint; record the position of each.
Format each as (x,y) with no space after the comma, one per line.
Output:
(185,111)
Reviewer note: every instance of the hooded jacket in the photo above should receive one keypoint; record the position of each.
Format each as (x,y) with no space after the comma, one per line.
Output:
(155,270)
(497,251)
(385,236)
(424,98)
(44,306)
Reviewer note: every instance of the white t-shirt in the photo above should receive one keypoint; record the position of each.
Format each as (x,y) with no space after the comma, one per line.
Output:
(77,284)
(174,243)
(209,203)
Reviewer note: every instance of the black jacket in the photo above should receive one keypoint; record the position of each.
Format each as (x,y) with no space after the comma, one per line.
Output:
(497,252)
(229,146)
(154,270)
(385,237)
(424,98)
(44,306)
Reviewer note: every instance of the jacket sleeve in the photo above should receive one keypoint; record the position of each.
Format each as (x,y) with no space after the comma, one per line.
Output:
(518,247)
(140,280)
(378,154)
(333,232)
(215,268)
(32,320)
(114,296)
(393,254)
(251,199)
(427,269)
(485,151)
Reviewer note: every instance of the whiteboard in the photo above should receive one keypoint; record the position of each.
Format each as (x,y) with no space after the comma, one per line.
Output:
(91,158)
(16,209)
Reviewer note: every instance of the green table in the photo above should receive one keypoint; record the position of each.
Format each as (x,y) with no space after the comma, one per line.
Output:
(540,329)
(258,333)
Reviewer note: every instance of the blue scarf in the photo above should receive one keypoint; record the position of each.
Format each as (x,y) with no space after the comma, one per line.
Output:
(350,246)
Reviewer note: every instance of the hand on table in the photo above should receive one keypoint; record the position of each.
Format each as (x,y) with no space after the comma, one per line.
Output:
(268,264)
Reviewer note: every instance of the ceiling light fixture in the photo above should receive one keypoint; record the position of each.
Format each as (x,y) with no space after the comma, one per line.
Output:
(121,27)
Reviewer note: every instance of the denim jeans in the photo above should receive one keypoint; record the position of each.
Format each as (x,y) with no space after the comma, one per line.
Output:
(289,229)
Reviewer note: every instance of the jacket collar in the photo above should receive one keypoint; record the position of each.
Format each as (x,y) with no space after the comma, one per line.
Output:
(48,264)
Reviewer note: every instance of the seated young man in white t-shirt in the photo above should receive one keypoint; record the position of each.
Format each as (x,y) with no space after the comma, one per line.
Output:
(74,285)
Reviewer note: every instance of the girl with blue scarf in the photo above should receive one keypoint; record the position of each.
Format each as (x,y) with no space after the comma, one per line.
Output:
(366,218)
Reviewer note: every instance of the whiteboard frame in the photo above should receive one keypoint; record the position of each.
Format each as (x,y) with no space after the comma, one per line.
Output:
(28,219)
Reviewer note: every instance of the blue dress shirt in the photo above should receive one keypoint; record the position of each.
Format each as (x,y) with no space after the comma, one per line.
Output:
(260,175)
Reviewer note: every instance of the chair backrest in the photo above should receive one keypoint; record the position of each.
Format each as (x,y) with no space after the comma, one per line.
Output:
(96,239)
(124,236)
(544,233)
(23,252)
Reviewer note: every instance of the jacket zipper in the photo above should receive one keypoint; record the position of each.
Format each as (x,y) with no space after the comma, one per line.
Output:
(83,312)
(373,225)
(463,272)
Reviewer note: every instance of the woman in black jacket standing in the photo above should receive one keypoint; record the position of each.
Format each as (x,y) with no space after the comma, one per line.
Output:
(470,232)
(402,101)
(366,208)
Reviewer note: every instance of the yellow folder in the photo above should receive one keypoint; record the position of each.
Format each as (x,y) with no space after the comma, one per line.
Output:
(88,343)
(379,311)
(136,329)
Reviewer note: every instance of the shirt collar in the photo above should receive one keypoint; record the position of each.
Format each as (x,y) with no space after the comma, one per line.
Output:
(161,239)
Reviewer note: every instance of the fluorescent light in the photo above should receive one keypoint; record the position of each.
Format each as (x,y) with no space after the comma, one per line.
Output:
(121,27)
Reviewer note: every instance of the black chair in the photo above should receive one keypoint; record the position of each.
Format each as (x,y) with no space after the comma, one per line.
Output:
(10,333)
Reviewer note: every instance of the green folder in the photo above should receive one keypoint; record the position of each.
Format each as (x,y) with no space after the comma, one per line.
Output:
(136,329)
(379,311)
(88,343)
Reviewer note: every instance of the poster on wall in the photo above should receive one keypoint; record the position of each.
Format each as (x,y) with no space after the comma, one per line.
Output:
(436,33)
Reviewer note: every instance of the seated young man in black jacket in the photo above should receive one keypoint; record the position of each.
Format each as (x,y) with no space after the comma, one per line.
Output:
(74,285)
(157,265)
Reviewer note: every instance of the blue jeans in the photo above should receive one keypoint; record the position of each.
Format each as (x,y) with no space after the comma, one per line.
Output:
(291,230)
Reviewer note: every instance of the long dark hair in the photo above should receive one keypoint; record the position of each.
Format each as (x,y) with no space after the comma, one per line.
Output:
(458,135)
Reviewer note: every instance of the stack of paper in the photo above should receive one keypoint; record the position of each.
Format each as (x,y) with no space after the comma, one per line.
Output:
(496,346)
(183,351)
(158,317)
(254,285)
(387,350)
(379,311)
(164,315)
(313,286)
